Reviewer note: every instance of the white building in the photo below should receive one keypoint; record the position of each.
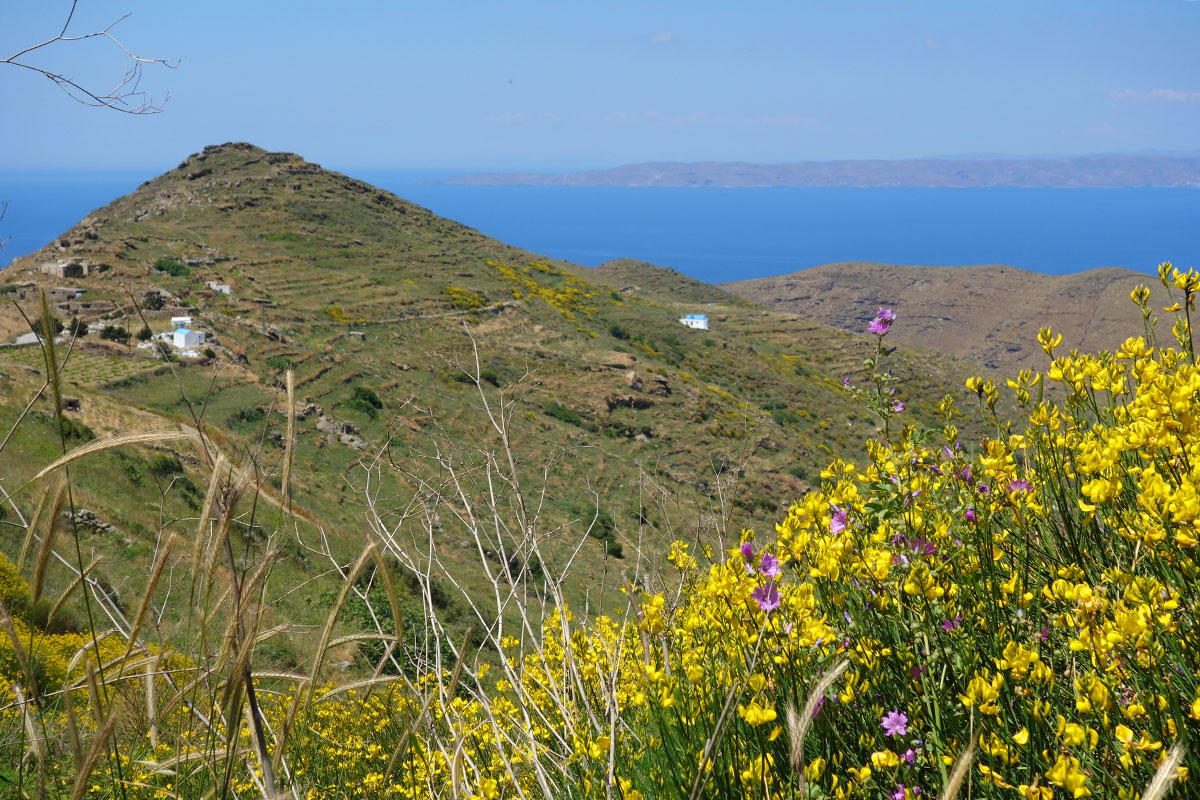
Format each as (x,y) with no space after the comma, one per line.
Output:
(180,322)
(697,321)
(223,288)
(185,339)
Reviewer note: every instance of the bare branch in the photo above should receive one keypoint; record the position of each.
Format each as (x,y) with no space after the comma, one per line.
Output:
(126,96)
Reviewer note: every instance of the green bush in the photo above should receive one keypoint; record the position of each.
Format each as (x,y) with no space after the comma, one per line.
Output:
(114,333)
(164,464)
(153,301)
(73,429)
(365,400)
(55,323)
(132,468)
(250,415)
(618,331)
(603,529)
(563,414)
(277,363)
(171,267)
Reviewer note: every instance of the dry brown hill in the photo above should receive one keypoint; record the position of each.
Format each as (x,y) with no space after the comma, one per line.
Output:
(989,314)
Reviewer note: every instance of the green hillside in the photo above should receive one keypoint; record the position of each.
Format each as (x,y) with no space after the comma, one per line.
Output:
(627,430)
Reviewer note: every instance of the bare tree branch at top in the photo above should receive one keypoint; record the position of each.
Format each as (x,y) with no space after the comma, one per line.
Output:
(126,96)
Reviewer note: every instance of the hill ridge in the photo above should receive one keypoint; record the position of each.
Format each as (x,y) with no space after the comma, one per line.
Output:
(1101,171)
(989,314)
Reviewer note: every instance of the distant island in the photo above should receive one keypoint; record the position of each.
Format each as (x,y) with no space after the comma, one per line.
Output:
(1106,171)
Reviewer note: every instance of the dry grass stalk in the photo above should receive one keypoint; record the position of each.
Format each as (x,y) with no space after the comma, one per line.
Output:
(94,753)
(18,649)
(962,768)
(206,510)
(799,723)
(73,729)
(152,701)
(112,441)
(79,578)
(46,547)
(48,333)
(290,443)
(36,748)
(93,690)
(35,521)
(1166,773)
(327,632)
(393,599)
(148,595)
(288,720)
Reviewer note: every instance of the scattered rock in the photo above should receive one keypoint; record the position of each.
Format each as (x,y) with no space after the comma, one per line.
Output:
(330,425)
(628,401)
(660,386)
(88,519)
(347,432)
(634,381)
(350,440)
(71,404)
(309,410)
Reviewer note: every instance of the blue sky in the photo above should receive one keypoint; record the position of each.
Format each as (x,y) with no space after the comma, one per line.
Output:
(466,86)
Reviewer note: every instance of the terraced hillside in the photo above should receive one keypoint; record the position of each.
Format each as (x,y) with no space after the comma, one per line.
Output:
(628,430)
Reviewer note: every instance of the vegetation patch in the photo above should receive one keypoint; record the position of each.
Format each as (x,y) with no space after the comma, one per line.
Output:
(172,267)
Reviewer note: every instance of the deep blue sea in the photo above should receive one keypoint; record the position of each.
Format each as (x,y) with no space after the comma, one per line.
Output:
(729,234)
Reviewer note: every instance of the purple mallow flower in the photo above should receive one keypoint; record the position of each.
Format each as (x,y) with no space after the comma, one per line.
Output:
(1020,485)
(767,596)
(747,551)
(770,566)
(895,723)
(924,547)
(837,523)
(882,322)
(969,515)
(898,406)
(951,624)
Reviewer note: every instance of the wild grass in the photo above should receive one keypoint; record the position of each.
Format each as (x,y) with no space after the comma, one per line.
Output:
(1013,618)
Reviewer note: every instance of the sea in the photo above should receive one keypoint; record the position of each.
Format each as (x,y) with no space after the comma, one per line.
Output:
(719,235)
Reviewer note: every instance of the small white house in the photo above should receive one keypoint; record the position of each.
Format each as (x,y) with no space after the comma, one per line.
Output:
(186,339)
(697,321)
(180,322)
(223,288)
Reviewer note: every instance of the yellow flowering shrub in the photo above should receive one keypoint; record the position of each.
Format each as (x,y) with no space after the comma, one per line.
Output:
(1030,602)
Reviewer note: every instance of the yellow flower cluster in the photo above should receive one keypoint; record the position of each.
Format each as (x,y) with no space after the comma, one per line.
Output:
(1032,600)
(567,294)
